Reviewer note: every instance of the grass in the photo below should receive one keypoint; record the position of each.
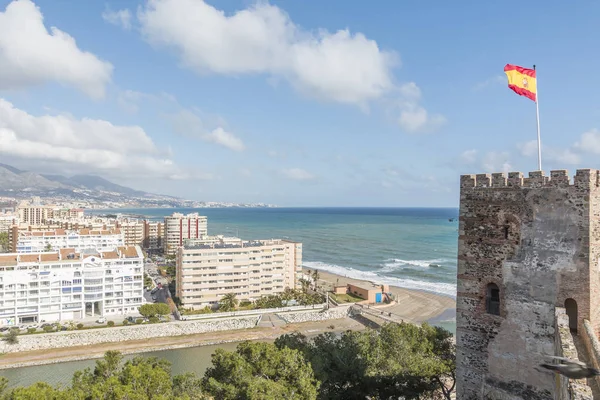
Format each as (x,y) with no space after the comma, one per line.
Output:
(346,298)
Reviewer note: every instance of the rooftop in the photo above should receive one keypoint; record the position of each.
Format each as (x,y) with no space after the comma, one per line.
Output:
(68,255)
(63,232)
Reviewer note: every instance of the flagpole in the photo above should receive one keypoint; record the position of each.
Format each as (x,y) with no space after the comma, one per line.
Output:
(537,115)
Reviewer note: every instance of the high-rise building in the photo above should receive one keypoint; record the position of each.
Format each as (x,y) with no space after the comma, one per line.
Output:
(68,285)
(179,228)
(34,213)
(211,267)
(133,231)
(153,235)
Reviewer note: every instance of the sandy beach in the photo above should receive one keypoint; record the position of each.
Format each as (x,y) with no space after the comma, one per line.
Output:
(412,305)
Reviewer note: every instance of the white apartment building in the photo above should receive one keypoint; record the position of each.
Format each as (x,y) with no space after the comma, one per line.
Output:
(133,231)
(69,285)
(7,220)
(179,228)
(211,267)
(153,235)
(34,213)
(81,239)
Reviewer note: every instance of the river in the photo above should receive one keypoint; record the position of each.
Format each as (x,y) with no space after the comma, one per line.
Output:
(194,359)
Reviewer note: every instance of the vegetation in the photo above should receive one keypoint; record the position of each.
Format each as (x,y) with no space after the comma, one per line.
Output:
(110,323)
(148,282)
(31,330)
(228,302)
(80,326)
(346,298)
(12,336)
(398,361)
(154,310)
(3,242)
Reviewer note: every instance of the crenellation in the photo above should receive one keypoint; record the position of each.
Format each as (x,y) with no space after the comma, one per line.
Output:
(467,181)
(515,179)
(499,179)
(559,178)
(483,180)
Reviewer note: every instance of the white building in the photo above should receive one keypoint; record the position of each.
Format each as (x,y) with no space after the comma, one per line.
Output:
(178,228)
(100,240)
(68,285)
(211,267)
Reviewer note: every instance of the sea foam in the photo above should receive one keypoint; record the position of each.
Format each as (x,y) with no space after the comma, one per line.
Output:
(447,289)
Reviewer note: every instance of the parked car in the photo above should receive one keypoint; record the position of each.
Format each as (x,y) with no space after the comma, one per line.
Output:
(101,320)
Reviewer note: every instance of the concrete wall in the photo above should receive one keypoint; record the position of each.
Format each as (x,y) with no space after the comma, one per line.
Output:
(306,316)
(536,238)
(119,334)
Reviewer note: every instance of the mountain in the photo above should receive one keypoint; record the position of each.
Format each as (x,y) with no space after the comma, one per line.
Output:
(21,184)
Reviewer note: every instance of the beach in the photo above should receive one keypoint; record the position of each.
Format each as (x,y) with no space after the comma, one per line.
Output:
(411,305)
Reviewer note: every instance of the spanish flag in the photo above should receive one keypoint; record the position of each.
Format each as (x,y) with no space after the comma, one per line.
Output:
(522,81)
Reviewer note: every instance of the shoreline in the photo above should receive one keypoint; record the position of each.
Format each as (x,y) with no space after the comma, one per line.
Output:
(412,305)
(96,351)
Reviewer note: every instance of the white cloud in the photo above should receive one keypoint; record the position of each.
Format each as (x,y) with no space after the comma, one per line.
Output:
(188,123)
(90,144)
(262,39)
(413,117)
(226,139)
(495,80)
(129,100)
(120,18)
(528,149)
(589,142)
(496,161)
(469,156)
(297,174)
(30,55)
(562,155)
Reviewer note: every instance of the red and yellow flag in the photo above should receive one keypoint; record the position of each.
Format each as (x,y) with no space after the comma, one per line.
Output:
(522,81)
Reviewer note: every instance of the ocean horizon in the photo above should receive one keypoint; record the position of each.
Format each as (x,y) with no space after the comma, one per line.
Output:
(409,247)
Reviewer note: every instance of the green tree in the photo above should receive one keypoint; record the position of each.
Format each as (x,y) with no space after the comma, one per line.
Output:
(316,276)
(305,283)
(228,302)
(399,360)
(260,371)
(12,336)
(3,242)
(154,310)
(48,247)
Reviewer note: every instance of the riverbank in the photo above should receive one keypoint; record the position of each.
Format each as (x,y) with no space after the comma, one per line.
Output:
(412,305)
(52,356)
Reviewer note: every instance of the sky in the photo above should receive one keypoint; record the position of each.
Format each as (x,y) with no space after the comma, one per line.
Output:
(296,103)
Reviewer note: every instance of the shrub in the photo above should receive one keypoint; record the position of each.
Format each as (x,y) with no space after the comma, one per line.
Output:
(48,328)
(125,322)
(139,321)
(12,336)
(31,330)
(154,320)
(110,323)
(80,326)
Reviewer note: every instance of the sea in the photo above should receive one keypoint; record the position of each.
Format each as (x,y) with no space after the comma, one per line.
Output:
(414,248)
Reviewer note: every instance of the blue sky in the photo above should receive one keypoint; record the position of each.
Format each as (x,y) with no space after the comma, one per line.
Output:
(337,103)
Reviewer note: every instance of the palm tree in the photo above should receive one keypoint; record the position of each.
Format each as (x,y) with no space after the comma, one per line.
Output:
(316,277)
(305,285)
(228,302)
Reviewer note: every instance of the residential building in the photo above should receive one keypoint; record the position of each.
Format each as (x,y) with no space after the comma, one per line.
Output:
(211,267)
(69,285)
(179,228)
(7,220)
(34,212)
(133,231)
(81,239)
(153,235)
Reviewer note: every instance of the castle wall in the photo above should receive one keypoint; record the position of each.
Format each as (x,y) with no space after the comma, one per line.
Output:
(532,237)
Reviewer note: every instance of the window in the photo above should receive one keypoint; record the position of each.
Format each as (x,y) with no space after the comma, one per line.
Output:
(492,299)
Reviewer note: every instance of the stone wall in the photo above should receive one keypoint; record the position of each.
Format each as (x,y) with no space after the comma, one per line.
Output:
(124,333)
(565,347)
(592,347)
(307,316)
(535,238)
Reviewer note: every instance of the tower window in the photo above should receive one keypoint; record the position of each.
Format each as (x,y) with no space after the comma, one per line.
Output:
(492,299)
(505,231)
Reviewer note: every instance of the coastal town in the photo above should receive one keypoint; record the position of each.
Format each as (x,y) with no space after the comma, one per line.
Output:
(70,278)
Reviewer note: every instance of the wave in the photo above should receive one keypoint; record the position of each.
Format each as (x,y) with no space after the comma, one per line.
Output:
(393,264)
(447,289)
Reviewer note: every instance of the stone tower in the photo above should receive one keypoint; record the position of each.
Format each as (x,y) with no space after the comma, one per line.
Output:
(526,246)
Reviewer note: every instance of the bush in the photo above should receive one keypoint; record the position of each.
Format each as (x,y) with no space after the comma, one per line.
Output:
(125,322)
(80,326)
(31,330)
(154,320)
(110,323)
(12,336)
(139,321)
(49,328)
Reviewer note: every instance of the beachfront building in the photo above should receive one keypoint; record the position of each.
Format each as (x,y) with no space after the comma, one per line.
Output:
(100,240)
(133,231)
(153,235)
(34,212)
(179,227)
(210,267)
(69,285)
